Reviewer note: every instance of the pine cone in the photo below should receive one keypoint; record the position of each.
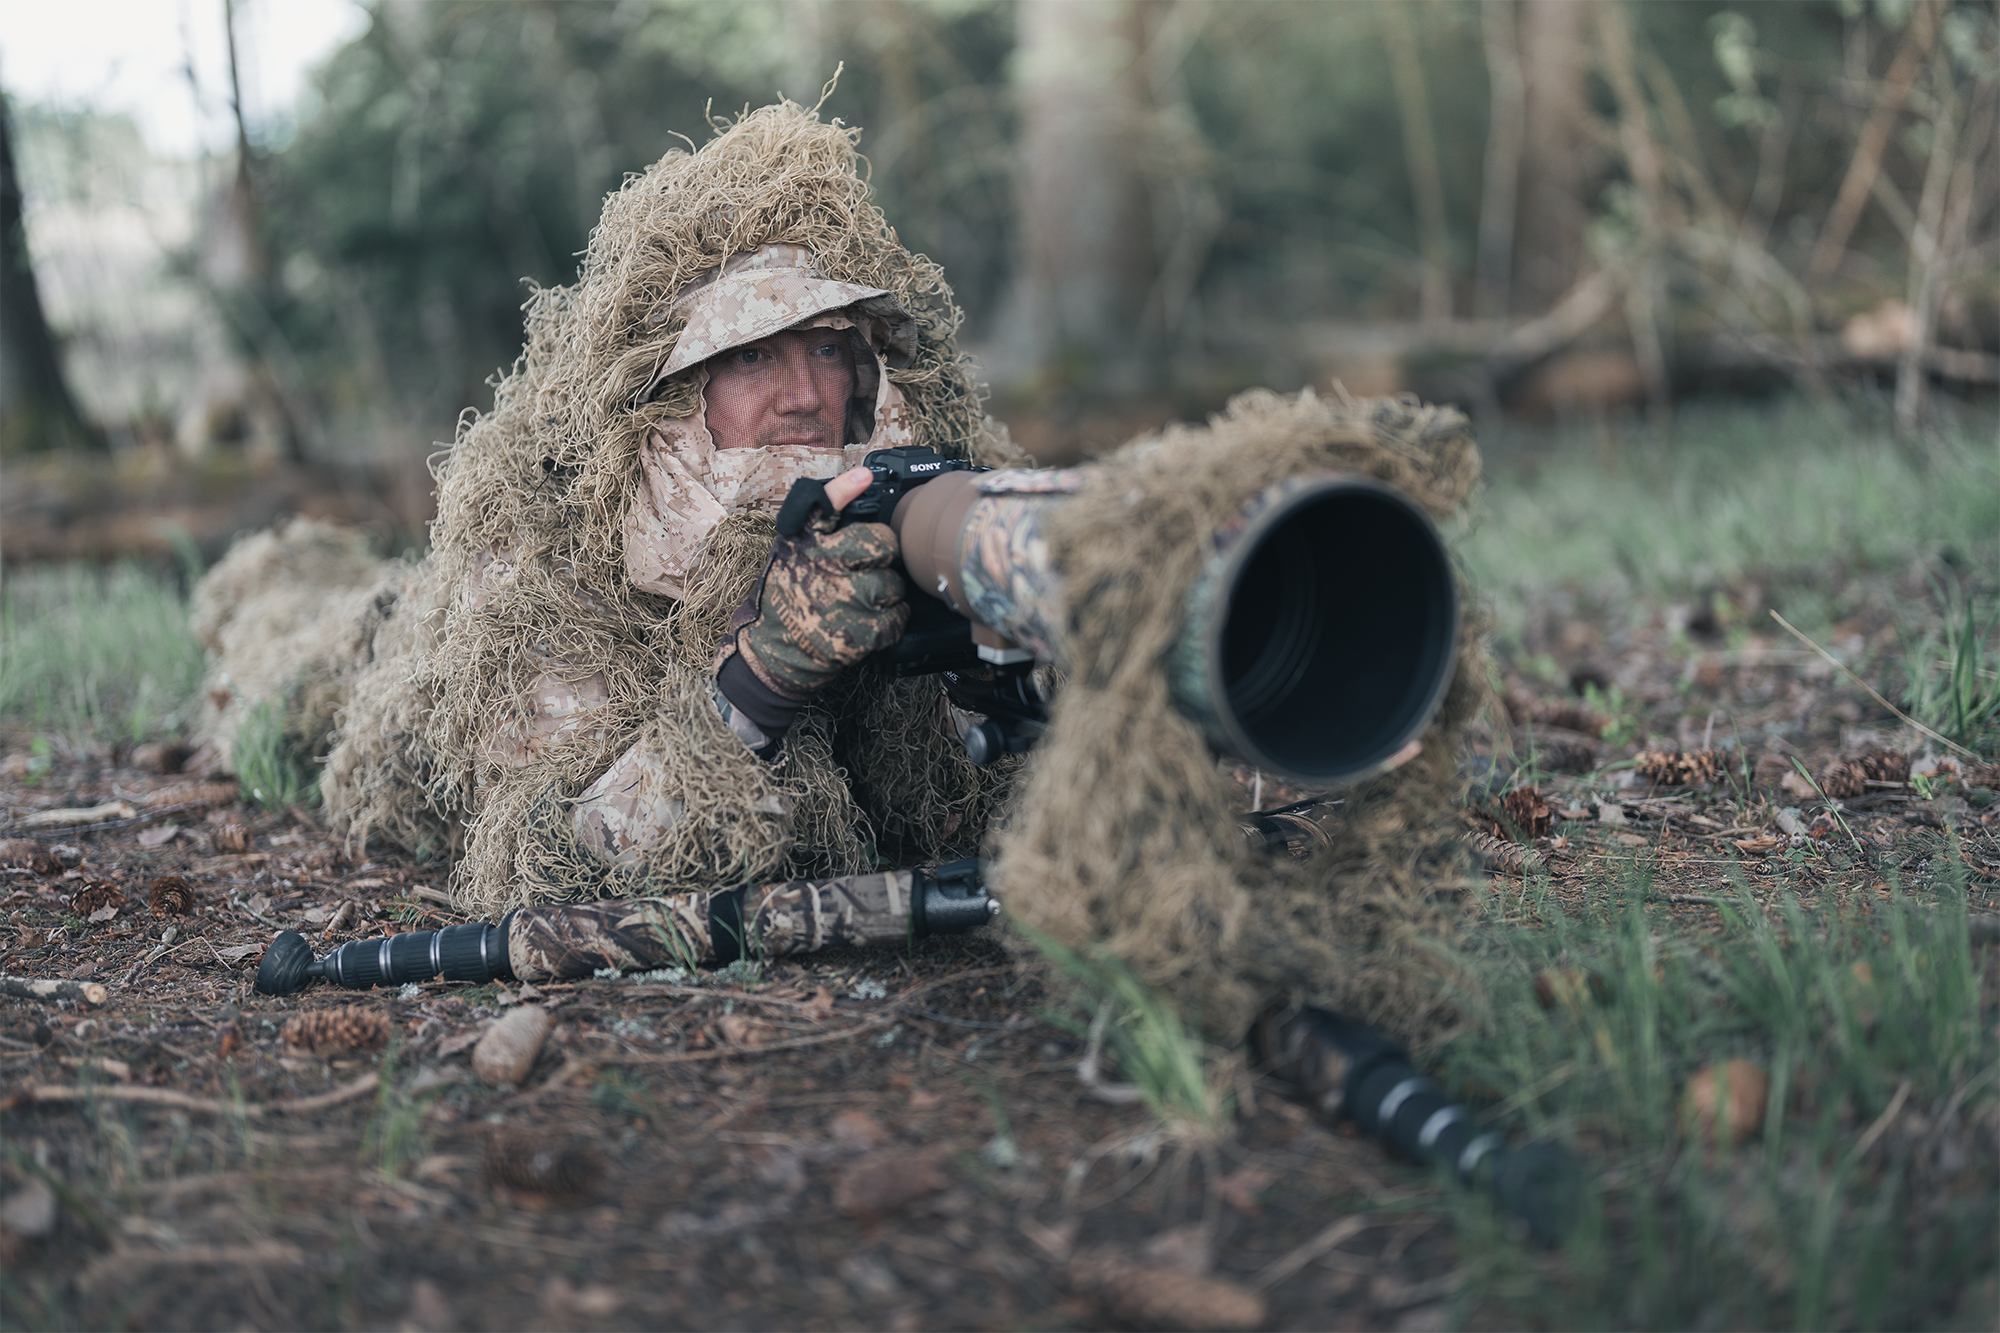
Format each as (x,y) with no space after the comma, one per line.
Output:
(1672,768)
(1891,766)
(1972,775)
(1529,812)
(534,1163)
(1556,750)
(1845,779)
(1509,858)
(95,896)
(1568,714)
(171,895)
(342,1031)
(232,837)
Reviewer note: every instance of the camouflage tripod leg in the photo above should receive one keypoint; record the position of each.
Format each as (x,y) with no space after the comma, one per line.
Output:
(708,929)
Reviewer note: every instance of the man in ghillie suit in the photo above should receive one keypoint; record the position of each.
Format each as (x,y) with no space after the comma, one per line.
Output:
(577,709)
(611,680)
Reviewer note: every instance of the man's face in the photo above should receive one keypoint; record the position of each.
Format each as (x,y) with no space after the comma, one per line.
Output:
(790,388)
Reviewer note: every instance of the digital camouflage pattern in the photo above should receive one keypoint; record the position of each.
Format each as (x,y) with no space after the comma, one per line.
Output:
(826,601)
(629,811)
(704,929)
(774,287)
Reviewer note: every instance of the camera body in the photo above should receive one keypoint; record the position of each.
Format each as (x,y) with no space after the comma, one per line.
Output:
(897,473)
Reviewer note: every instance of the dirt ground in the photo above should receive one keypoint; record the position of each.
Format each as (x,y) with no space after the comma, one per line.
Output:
(884,1140)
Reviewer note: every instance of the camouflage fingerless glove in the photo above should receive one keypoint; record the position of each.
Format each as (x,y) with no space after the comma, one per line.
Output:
(826,600)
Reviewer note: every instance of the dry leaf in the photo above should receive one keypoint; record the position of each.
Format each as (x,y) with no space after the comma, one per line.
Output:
(1184,1249)
(160,836)
(558,1170)
(879,1185)
(1241,1187)
(454,1044)
(236,953)
(1570,987)
(29,1211)
(1146,1297)
(103,914)
(743,1030)
(1725,1100)
(855,1131)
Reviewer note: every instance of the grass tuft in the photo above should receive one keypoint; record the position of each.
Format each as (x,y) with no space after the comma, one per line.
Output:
(1155,1049)
(1856,1198)
(272,768)
(1733,492)
(1952,674)
(95,655)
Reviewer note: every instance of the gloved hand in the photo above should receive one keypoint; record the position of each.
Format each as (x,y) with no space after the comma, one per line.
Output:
(827,600)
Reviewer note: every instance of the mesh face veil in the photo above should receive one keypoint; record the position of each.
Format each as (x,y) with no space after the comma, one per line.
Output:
(687,485)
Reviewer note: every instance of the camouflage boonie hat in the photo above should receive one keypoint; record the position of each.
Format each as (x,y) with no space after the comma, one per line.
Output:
(768,290)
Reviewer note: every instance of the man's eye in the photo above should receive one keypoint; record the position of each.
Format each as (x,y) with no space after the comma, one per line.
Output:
(749,356)
(827,349)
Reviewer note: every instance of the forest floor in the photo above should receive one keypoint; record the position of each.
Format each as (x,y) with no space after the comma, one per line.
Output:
(900,1139)
(891,1139)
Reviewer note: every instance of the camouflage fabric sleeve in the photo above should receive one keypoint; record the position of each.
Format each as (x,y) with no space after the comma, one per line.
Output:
(707,929)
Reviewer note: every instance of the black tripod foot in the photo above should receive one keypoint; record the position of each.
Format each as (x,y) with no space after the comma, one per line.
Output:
(283,971)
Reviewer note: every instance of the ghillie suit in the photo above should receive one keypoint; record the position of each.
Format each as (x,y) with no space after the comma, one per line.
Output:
(1124,834)
(575,628)
(290,616)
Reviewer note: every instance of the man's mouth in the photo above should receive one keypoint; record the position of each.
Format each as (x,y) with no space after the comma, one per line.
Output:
(781,438)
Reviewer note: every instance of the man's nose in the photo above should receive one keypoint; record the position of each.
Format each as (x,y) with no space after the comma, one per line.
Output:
(798,391)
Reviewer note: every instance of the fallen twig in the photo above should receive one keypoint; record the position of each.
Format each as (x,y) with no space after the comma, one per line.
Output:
(70,818)
(123,1260)
(1942,740)
(1883,1121)
(761,1048)
(35,988)
(1340,1230)
(30,1093)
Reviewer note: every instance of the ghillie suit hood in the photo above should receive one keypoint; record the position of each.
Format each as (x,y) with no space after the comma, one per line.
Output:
(1124,836)
(558,644)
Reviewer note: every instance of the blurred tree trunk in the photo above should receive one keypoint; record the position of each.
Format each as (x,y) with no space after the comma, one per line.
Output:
(1558,163)
(1406,70)
(1087,252)
(36,409)
(1506,137)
